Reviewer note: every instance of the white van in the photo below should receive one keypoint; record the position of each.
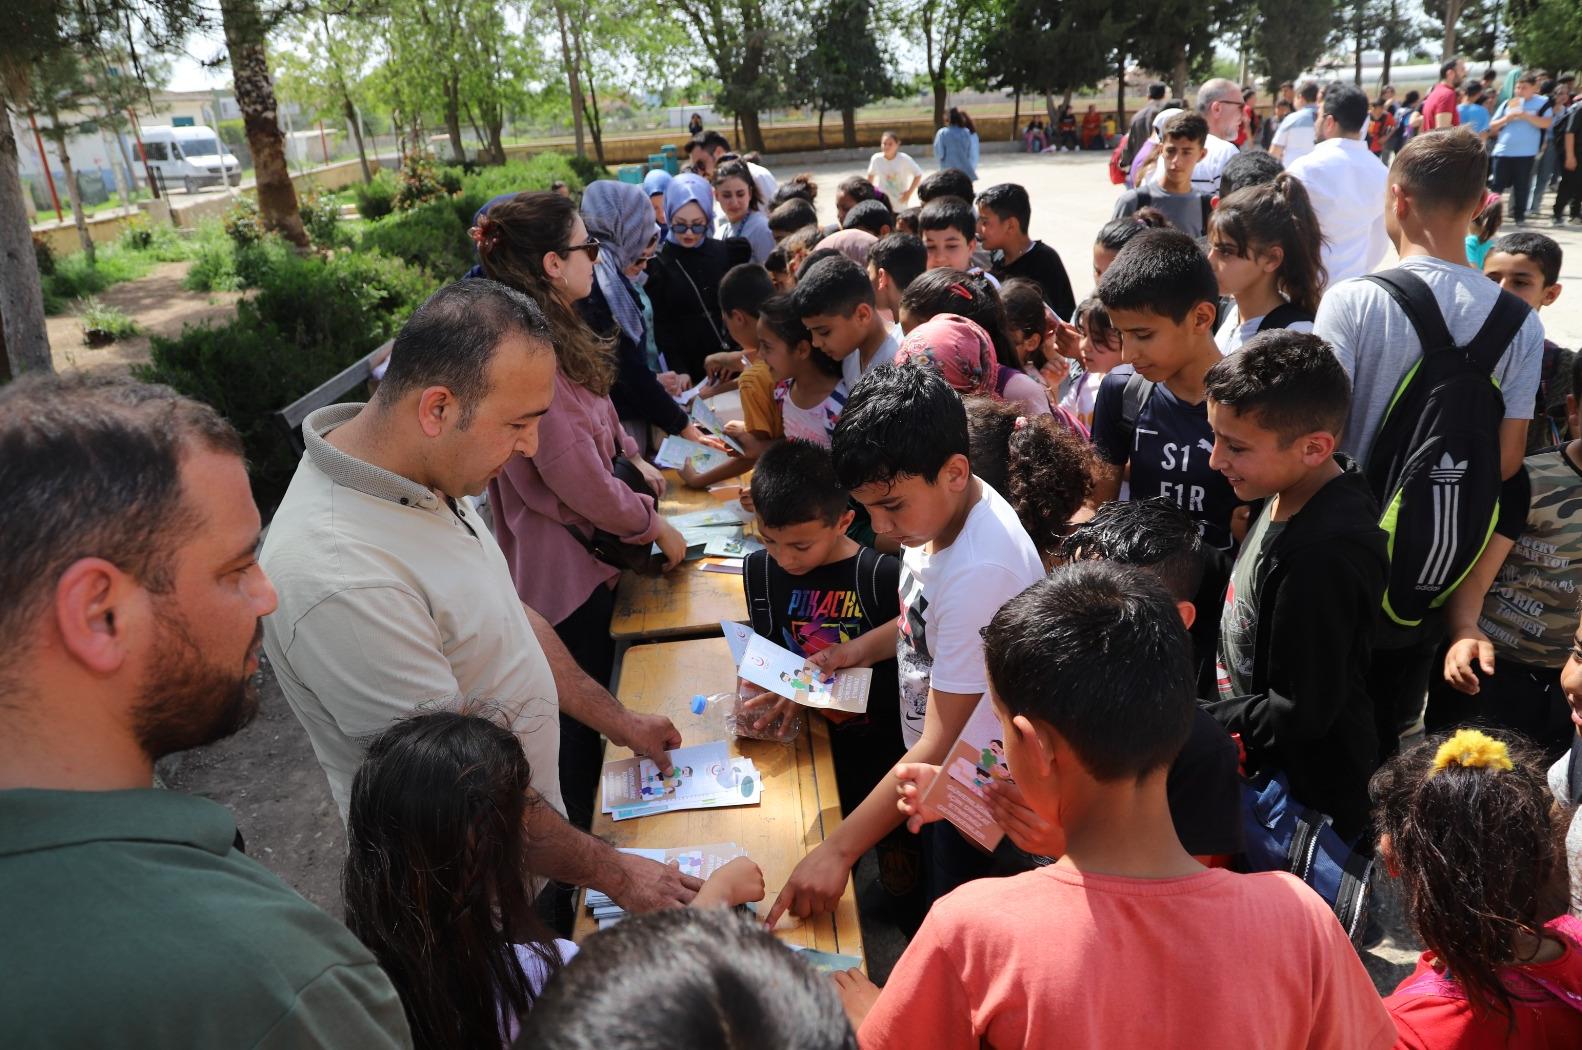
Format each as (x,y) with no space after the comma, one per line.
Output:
(191,156)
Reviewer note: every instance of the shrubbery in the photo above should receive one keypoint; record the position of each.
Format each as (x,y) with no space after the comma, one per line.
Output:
(375,199)
(321,216)
(312,316)
(309,319)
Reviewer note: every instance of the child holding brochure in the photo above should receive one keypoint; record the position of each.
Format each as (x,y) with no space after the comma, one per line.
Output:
(812,587)
(901,449)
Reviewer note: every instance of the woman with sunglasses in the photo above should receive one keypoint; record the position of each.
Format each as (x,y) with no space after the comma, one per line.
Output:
(548,507)
(619,217)
(684,277)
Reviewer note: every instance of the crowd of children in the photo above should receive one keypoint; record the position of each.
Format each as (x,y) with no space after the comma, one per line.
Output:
(1216,531)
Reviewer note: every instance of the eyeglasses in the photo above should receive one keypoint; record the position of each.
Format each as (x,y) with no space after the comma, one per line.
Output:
(591,246)
(699,228)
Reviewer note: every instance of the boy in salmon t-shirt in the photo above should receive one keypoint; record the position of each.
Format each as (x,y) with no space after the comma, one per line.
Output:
(1126,941)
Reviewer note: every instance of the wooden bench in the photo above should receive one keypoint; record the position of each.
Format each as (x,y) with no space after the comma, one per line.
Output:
(800,804)
(329,392)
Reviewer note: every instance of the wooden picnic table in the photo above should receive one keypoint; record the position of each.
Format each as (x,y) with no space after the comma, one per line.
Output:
(688,601)
(800,804)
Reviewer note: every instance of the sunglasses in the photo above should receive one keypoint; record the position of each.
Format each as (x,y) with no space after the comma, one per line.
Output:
(699,228)
(591,246)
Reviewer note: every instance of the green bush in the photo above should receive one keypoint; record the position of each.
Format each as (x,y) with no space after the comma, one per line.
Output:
(310,318)
(213,261)
(44,255)
(321,216)
(450,178)
(74,278)
(103,324)
(256,263)
(375,199)
(431,235)
(159,241)
(419,181)
(241,223)
(589,170)
(538,172)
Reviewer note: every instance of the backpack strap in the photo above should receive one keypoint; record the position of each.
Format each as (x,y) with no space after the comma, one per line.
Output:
(866,569)
(1207,201)
(1501,326)
(759,597)
(1284,316)
(1133,398)
(1145,199)
(1412,294)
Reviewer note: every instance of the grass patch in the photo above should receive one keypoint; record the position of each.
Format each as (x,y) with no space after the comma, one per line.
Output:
(75,278)
(103,324)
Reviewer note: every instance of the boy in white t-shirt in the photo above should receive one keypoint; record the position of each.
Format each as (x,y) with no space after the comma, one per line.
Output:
(901,449)
(894,172)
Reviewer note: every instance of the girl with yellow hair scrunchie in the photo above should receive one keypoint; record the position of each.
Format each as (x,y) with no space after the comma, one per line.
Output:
(1469,828)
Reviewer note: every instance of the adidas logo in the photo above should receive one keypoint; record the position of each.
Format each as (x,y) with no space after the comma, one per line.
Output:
(1448,472)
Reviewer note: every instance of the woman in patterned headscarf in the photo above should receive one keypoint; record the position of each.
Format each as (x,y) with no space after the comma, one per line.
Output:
(619,215)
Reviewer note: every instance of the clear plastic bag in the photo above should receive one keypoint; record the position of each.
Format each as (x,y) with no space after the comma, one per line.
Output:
(739,721)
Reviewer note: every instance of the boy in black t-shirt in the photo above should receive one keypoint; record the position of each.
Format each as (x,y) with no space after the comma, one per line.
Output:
(1003,214)
(1162,296)
(1294,640)
(812,587)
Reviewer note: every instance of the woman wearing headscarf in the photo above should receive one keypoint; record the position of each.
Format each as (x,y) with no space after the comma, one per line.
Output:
(684,278)
(654,184)
(618,215)
(964,355)
(854,244)
(548,508)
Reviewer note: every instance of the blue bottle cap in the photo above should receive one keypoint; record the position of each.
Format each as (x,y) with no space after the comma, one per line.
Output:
(699,702)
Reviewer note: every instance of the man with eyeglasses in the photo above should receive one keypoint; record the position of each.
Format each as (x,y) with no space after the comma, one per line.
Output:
(1220,102)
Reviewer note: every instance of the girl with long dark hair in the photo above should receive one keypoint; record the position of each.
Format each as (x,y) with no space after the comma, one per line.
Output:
(1264,243)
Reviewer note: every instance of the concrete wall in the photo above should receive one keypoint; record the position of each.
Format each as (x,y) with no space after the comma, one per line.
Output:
(190,212)
(917,137)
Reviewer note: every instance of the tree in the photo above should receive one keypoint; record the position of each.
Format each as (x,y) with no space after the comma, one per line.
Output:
(1399,31)
(324,67)
(60,88)
(1175,38)
(945,25)
(1547,34)
(1289,38)
(846,75)
(1047,47)
(245,29)
(1449,14)
(745,40)
(34,29)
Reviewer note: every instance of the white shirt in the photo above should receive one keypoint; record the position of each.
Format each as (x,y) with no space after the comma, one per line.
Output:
(1216,154)
(852,368)
(1233,331)
(894,175)
(766,186)
(949,596)
(1346,183)
(1295,134)
(392,598)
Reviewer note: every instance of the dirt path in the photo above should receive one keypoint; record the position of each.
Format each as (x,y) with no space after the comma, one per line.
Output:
(160,306)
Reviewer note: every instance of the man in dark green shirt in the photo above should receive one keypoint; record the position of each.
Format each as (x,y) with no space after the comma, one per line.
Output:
(129,630)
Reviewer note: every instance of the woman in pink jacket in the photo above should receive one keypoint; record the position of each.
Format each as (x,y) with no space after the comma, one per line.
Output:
(547,508)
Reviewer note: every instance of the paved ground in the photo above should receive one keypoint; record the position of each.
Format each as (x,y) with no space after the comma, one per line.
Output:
(1072,197)
(269,778)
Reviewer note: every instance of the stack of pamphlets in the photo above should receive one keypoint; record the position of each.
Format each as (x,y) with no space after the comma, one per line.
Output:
(706,776)
(698,861)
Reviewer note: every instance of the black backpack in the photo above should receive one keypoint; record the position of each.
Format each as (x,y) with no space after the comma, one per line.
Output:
(1435,465)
